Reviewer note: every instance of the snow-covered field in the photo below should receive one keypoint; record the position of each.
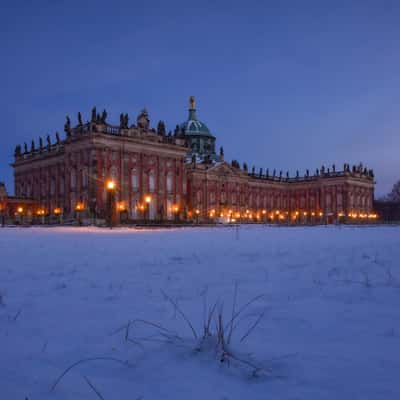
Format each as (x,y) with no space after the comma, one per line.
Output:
(331,325)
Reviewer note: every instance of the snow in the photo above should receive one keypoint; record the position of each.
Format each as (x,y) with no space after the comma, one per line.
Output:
(331,328)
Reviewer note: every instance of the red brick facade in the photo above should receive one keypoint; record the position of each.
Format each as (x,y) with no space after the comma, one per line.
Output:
(154,180)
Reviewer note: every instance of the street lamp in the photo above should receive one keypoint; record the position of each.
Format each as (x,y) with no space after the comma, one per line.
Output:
(197,212)
(79,208)
(41,214)
(175,209)
(20,212)
(147,200)
(111,188)
(57,211)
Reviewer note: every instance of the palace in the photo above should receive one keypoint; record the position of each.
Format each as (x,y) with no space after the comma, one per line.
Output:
(137,173)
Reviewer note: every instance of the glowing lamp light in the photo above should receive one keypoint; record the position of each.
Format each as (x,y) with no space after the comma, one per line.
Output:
(264,212)
(57,211)
(121,206)
(20,210)
(110,185)
(175,208)
(79,207)
(313,214)
(147,199)
(321,214)
(197,211)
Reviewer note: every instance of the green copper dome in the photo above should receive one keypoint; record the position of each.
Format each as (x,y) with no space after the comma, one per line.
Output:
(193,126)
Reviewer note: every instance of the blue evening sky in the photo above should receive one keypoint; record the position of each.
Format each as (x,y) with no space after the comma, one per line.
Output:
(282,84)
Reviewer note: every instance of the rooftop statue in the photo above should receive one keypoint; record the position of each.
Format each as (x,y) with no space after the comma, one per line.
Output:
(67,127)
(103,117)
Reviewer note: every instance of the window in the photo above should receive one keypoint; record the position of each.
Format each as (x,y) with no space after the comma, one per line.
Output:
(223,197)
(212,197)
(53,186)
(113,173)
(85,177)
(152,181)
(328,202)
(73,179)
(134,179)
(339,200)
(62,185)
(169,182)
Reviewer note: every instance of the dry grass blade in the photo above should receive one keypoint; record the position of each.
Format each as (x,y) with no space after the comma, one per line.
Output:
(181,313)
(153,324)
(252,327)
(210,316)
(93,388)
(56,382)
(233,312)
(250,364)
(251,301)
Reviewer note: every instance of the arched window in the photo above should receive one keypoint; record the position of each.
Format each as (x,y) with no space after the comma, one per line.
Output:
(339,200)
(169,182)
(62,185)
(114,173)
(328,202)
(134,179)
(152,181)
(212,197)
(84,177)
(73,179)
(52,186)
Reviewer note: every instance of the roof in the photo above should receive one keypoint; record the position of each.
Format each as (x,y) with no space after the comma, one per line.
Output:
(192,126)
